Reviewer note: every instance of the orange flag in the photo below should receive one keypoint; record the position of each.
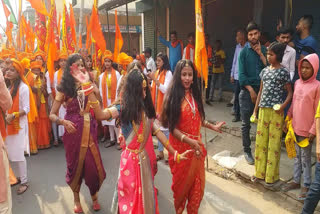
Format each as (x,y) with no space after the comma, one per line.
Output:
(88,40)
(80,41)
(201,57)
(39,6)
(118,39)
(6,10)
(96,31)
(59,21)
(73,25)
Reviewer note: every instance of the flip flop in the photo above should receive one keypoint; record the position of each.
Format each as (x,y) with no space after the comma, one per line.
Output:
(96,206)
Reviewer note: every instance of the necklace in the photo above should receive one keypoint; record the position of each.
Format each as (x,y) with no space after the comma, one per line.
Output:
(193,106)
(140,137)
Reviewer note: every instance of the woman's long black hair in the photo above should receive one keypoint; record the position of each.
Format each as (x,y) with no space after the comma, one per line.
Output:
(132,101)
(68,83)
(172,105)
(164,58)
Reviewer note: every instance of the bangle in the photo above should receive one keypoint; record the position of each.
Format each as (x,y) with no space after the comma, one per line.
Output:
(156,131)
(16,114)
(182,137)
(166,144)
(109,111)
(85,84)
(175,156)
(178,158)
(93,103)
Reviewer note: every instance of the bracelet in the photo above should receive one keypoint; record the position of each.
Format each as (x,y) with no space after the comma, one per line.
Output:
(93,103)
(178,158)
(156,131)
(175,156)
(166,144)
(182,137)
(205,123)
(85,84)
(16,114)
(109,111)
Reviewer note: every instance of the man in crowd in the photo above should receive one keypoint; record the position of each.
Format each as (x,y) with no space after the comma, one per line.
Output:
(209,53)
(252,60)
(305,43)
(234,77)
(175,48)
(188,52)
(150,64)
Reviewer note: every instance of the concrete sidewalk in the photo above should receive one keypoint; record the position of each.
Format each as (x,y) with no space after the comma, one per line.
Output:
(230,140)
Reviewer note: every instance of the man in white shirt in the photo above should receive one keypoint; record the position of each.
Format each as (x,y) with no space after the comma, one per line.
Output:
(150,64)
(289,57)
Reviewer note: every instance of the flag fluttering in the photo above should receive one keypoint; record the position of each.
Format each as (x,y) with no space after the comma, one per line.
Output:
(66,31)
(201,57)
(6,4)
(73,25)
(39,6)
(41,30)
(88,40)
(118,43)
(96,31)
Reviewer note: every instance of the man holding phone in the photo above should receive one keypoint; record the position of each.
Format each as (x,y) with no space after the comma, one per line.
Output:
(252,60)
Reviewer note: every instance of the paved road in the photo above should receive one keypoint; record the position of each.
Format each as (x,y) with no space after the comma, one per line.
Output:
(49,194)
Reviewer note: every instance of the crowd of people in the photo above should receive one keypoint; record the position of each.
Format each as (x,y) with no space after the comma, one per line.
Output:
(125,100)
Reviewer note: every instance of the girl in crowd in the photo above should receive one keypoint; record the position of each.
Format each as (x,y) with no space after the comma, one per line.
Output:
(184,115)
(136,192)
(89,66)
(17,121)
(275,81)
(108,81)
(160,84)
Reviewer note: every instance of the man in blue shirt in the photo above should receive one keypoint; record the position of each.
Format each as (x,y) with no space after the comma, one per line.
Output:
(175,49)
(252,60)
(305,43)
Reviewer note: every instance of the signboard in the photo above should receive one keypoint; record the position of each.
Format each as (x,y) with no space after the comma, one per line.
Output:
(123,28)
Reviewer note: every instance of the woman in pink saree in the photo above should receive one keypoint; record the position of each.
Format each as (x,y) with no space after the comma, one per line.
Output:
(136,192)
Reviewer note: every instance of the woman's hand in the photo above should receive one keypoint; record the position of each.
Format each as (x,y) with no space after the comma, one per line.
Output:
(217,127)
(81,76)
(69,126)
(9,118)
(183,156)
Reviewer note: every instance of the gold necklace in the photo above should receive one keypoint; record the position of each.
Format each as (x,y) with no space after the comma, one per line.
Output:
(140,137)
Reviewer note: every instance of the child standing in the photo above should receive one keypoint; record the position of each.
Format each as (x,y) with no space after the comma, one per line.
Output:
(302,112)
(275,80)
(219,58)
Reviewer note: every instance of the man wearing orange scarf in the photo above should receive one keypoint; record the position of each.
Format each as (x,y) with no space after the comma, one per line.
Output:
(22,111)
(41,97)
(175,48)
(108,81)
(188,52)
(62,61)
(5,190)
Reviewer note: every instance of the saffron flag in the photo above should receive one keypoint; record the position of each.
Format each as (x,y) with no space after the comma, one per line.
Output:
(41,30)
(6,10)
(9,32)
(52,42)
(66,31)
(80,41)
(201,57)
(118,39)
(88,40)
(39,6)
(73,25)
(96,31)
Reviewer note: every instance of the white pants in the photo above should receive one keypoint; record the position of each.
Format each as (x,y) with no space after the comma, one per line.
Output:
(20,170)
(6,207)
(112,130)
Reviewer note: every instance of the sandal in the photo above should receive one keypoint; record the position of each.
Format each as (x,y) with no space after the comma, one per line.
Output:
(22,188)
(96,206)
(303,194)
(56,143)
(290,186)
(77,209)
(254,179)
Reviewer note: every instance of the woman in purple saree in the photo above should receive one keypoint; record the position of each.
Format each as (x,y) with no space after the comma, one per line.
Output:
(80,139)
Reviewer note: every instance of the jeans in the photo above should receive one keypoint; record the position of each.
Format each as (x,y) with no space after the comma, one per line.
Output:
(302,164)
(246,110)
(236,105)
(313,195)
(216,81)
(160,146)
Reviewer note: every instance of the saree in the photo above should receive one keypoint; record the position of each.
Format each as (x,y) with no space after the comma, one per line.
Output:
(82,151)
(188,176)
(136,192)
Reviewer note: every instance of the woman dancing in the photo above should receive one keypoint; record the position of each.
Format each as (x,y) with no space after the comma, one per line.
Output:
(183,113)
(80,141)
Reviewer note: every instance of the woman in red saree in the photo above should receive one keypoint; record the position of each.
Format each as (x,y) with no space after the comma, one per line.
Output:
(135,190)
(183,113)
